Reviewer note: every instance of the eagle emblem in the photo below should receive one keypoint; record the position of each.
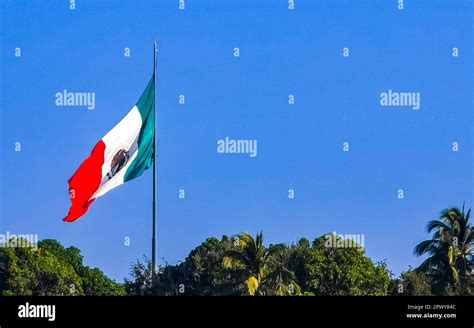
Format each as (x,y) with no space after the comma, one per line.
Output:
(118,162)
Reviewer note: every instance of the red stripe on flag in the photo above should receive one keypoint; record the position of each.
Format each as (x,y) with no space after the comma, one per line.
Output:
(85,182)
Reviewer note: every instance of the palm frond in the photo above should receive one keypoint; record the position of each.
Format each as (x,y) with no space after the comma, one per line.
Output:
(436,224)
(234,259)
(429,246)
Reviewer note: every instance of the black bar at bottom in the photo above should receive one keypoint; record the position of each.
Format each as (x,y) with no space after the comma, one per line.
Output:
(308,311)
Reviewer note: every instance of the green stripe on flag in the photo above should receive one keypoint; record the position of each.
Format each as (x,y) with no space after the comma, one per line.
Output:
(144,159)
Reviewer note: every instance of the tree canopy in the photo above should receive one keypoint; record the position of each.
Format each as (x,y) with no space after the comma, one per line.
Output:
(51,269)
(243,265)
(450,252)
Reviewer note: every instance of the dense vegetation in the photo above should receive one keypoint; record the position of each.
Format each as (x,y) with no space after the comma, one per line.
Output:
(450,253)
(244,265)
(51,269)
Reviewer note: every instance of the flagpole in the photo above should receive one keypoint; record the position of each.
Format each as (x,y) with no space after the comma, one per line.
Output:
(153,241)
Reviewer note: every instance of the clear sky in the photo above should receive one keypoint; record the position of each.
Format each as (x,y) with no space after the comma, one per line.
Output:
(300,146)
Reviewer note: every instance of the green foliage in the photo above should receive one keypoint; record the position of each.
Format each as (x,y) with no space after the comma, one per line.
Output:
(412,283)
(51,269)
(243,265)
(201,273)
(323,270)
(95,282)
(264,269)
(142,279)
(450,252)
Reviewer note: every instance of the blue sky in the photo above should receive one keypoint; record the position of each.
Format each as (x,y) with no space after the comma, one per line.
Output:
(282,52)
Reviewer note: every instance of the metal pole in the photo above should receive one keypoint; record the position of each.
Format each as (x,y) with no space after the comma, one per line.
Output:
(153,253)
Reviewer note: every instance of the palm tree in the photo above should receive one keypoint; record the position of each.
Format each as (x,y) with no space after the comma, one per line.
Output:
(451,250)
(262,268)
(279,279)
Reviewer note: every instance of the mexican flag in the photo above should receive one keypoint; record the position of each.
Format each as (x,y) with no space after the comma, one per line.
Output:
(122,155)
